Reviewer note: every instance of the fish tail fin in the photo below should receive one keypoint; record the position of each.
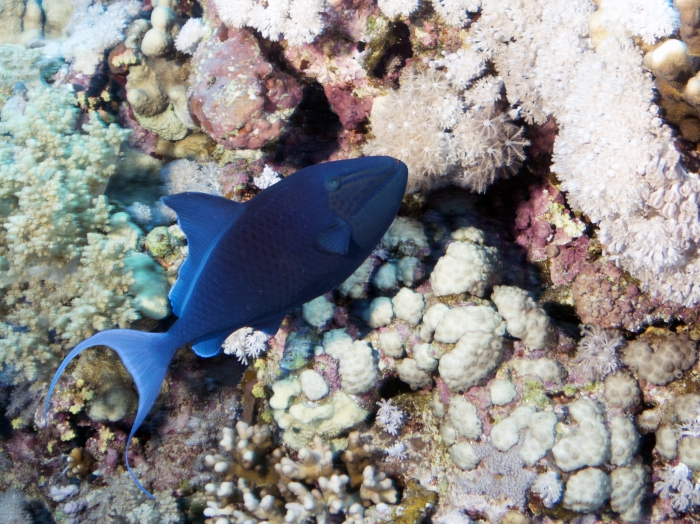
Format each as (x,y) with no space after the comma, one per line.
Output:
(146,357)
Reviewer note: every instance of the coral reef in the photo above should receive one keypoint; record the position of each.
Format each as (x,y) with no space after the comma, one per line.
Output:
(156,84)
(516,349)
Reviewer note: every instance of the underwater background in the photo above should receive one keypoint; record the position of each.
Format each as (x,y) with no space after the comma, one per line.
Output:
(521,346)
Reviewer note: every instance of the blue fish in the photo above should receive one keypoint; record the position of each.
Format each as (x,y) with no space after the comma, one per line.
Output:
(250,264)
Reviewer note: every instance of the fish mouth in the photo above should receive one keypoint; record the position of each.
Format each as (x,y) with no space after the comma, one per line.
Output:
(393,180)
(392,184)
(379,210)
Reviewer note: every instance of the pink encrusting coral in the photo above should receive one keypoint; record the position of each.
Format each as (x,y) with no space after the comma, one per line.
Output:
(237,96)
(337,65)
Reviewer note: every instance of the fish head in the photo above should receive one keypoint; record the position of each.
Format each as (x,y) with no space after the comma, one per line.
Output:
(365,194)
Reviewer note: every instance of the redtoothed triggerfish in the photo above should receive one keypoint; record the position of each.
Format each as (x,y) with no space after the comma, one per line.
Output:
(249,264)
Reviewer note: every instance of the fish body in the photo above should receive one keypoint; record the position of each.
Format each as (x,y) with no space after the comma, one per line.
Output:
(249,264)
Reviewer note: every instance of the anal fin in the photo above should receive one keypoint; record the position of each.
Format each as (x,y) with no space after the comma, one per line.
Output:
(209,347)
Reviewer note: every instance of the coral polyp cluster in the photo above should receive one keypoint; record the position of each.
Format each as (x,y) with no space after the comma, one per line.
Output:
(311,487)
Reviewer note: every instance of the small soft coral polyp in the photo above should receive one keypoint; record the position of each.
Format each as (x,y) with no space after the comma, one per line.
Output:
(238,97)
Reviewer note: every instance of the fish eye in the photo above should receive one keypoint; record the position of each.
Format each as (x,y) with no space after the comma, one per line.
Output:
(333,183)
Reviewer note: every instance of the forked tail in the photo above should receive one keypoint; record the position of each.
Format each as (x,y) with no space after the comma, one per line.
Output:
(145,355)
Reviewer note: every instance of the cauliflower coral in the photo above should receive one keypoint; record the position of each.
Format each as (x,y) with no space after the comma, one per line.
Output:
(60,270)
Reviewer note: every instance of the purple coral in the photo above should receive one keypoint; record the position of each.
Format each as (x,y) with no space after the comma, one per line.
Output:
(548,230)
(238,97)
(501,476)
(605,296)
(350,107)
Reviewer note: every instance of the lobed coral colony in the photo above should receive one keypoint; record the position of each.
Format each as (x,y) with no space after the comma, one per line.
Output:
(521,346)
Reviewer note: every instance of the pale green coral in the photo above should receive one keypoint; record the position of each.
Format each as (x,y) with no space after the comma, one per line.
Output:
(65,272)
(329,419)
(18,64)
(52,175)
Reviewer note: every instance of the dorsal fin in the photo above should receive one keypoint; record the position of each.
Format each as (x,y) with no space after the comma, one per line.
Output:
(201,217)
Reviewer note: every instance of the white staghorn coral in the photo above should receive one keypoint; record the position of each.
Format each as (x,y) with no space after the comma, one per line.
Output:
(297,21)
(626,177)
(406,124)
(94,30)
(425,125)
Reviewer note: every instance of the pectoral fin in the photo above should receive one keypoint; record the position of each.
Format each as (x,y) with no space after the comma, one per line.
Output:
(336,238)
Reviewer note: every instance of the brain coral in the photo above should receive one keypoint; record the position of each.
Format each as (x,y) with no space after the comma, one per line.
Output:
(671,356)
(237,96)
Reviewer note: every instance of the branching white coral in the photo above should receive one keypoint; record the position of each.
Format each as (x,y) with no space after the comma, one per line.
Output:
(649,19)
(597,352)
(62,275)
(394,8)
(462,66)
(267,178)
(548,487)
(396,451)
(96,30)
(305,22)
(425,125)
(309,487)
(186,175)
(140,213)
(486,145)
(613,155)
(389,416)
(190,35)
(454,12)
(245,343)
(406,124)
(297,21)
(485,92)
